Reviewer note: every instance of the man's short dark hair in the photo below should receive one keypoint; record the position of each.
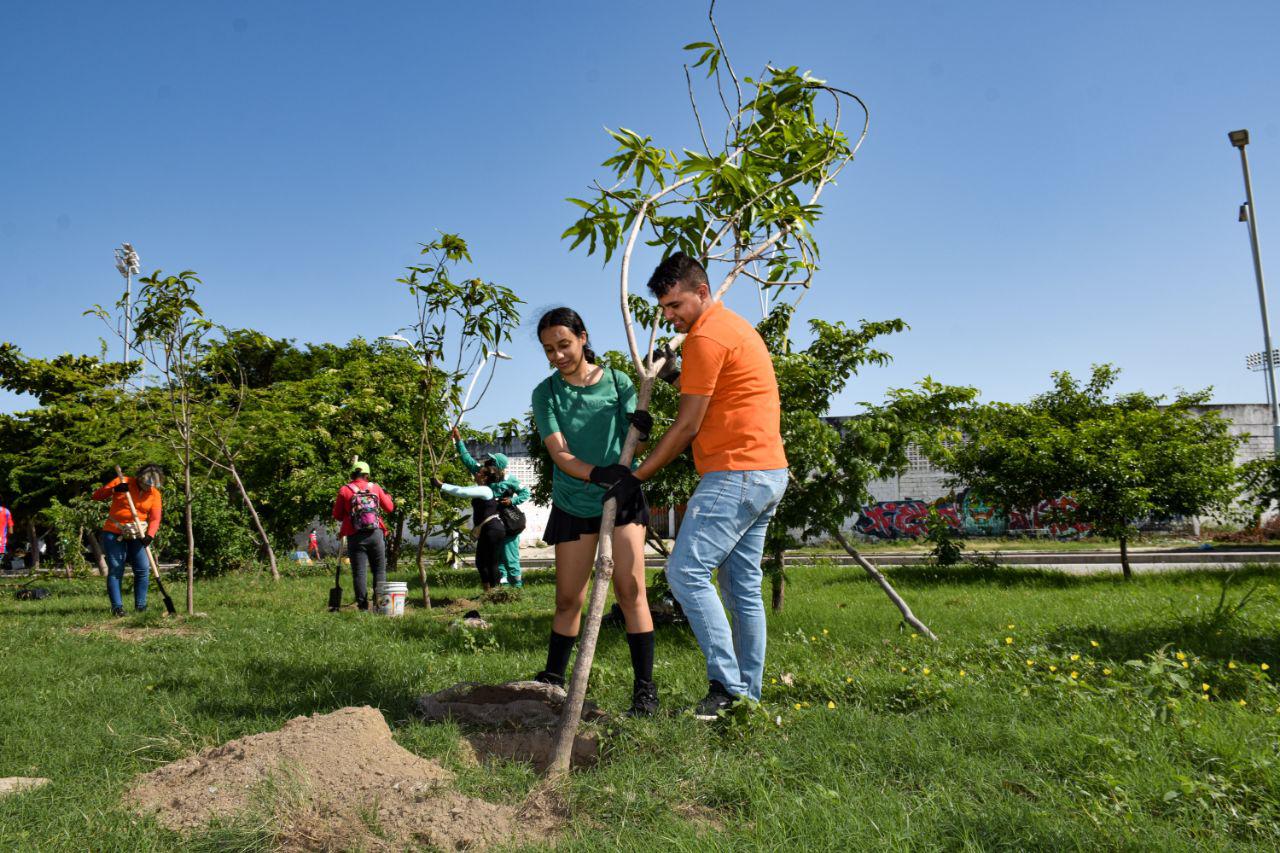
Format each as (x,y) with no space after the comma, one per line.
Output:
(677,269)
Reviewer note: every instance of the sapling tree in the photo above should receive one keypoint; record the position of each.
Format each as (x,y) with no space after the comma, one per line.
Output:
(169,333)
(458,329)
(744,202)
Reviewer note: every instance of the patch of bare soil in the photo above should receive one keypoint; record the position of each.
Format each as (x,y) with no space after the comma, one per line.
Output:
(340,782)
(135,635)
(461,605)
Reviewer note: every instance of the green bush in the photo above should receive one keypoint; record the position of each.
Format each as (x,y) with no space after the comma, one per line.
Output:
(224,539)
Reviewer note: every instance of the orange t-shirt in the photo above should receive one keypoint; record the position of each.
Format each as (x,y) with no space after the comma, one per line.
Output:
(726,359)
(148,506)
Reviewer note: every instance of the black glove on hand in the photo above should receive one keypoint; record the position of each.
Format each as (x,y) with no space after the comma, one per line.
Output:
(607,475)
(121,488)
(670,370)
(624,490)
(643,422)
(436,484)
(146,541)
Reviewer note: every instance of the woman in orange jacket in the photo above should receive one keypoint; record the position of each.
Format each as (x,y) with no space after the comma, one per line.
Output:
(124,537)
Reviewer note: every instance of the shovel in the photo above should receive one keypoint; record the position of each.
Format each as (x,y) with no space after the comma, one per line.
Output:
(155,567)
(335,594)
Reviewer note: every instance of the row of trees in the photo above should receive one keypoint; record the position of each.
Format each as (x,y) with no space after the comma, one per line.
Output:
(256,433)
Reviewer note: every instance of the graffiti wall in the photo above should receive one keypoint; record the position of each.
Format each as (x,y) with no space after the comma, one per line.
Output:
(972,517)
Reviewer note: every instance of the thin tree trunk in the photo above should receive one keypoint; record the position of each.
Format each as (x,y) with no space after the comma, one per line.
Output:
(777,579)
(424,512)
(393,554)
(879,578)
(576,694)
(33,545)
(99,558)
(189,527)
(257,522)
(1124,558)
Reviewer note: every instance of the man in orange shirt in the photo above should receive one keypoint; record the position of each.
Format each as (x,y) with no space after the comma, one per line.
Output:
(729,410)
(124,537)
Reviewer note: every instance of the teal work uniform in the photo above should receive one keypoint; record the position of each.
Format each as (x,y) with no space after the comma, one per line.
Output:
(593,421)
(508,488)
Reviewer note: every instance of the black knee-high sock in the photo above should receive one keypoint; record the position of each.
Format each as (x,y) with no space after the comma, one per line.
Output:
(641,655)
(558,650)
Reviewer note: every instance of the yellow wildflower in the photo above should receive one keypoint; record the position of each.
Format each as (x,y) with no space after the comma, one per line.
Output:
(848,679)
(1106,671)
(1204,687)
(1052,668)
(1231,664)
(925,670)
(1011,627)
(1204,696)
(825,632)
(1074,674)
(798,706)
(1008,641)
(813,639)
(1186,665)
(1093,643)
(1181,656)
(773,681)
(962,673)
(902,669)
(1030,662)
(831,706)
(1075,657)
(1243,703)
(1266,666)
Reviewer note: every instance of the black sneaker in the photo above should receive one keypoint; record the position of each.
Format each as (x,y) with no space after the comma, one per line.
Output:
(717,699)
(551,678)
(117,611)
(644,700)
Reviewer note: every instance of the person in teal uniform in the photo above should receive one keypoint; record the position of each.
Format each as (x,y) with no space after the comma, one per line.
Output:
(506,491)
(583,411)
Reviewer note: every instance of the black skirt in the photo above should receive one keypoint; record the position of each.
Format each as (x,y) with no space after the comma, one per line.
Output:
(563,527)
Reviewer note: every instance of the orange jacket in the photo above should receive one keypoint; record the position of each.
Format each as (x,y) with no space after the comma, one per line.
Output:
(148,505)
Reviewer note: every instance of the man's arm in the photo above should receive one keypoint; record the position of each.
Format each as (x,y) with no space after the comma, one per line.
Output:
(693,408)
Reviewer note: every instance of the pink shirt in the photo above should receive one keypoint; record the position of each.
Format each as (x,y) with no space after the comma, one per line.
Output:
(342,505)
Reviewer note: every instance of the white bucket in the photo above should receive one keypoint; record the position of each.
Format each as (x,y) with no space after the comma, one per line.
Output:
(389,598)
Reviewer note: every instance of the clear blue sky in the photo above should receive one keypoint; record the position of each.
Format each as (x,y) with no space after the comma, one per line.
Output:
(1044,185)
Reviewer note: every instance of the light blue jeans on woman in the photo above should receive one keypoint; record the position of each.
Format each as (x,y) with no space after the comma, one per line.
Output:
(724,526)
(118,551)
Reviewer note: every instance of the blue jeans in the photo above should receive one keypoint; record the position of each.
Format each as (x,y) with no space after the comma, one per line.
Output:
(724,527)
(118,551)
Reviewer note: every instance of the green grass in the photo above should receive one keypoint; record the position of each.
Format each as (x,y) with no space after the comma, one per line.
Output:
(982,751)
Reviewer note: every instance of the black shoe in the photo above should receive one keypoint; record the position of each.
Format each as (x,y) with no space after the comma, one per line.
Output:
(117,611)
(644,700)
(362,604)
(717,699)
(551,678)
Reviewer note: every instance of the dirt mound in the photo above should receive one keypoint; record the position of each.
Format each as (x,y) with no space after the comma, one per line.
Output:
(332,781)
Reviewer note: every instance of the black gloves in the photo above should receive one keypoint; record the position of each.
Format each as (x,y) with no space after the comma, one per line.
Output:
(643,422)
(121,487)
(146,541)
(624,490)
(670,370)
(607,475)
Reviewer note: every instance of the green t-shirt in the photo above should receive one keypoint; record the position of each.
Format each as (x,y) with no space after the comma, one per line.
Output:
(594,423)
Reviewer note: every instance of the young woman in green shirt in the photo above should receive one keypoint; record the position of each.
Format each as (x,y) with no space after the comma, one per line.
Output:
(583,412)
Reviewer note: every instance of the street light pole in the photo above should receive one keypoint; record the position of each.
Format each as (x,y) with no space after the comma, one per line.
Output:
(1240,139)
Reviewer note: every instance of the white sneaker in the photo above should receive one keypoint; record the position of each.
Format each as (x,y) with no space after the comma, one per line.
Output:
(502,582)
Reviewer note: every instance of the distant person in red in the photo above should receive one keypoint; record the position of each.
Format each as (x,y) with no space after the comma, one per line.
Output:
(6,527)
(359,507)
(313,545)
(125,538)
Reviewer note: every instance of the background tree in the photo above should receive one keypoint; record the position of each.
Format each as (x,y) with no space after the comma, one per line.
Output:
(1122,458)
